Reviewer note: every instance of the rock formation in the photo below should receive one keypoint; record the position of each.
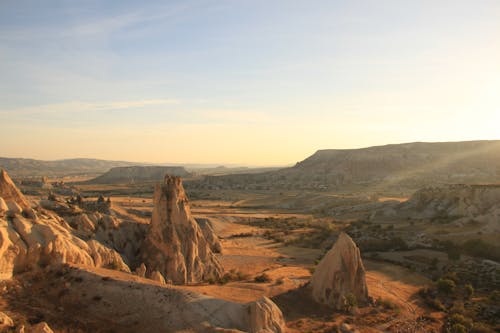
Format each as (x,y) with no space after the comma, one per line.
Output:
(265,316)
(340,273)
(141,270)
(5,322)
(209,233)
(452,201)
(156,276)
(135,306)
(10,193)
(174,244)
(42,327)
(28,240)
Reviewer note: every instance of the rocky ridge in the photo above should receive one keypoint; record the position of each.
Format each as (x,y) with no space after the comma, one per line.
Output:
(30,238)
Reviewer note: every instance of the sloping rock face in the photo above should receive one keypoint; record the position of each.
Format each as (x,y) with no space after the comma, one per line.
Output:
(134,306)
(174,244)
(10,193)
(209,233)
(265,317)
(29,239)
(453,200)
(340,272)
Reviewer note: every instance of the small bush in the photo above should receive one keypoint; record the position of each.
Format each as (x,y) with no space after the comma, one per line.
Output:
(388,304)
(280,281)
(460,319)
(350,302)
(446,286)
(435,304)
(481,328)
(263,278)
(469,291)
(457,328)
(232,275)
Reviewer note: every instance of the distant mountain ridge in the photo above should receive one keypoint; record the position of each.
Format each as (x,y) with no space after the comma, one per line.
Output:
(26,167)
(407,166)
(138,174)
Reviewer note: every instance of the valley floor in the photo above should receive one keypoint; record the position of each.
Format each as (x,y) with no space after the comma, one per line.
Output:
(246,253)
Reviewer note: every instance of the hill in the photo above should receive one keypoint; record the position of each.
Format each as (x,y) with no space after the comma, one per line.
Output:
(138,174)
(25,167)
(399,167)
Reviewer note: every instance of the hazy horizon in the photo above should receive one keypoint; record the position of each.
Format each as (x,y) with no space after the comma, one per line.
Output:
(243,83)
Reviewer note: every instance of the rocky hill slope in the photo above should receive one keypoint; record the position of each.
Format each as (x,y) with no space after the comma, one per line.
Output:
(25,167)
(138,174)
(34,237)
(408,166)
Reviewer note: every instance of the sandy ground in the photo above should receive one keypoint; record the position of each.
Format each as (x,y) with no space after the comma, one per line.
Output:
(288,269)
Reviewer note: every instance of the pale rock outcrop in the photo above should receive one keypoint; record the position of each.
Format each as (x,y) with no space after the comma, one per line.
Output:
(135,306)
(3,206)
(28,241)
(452,201)
(14,209)
(9,191)
(106,257)
(340,272)
(141,270)
(265,317)
(5,322)
(82,223)
(42,327)
(209,233)
(174,244)
(156,276)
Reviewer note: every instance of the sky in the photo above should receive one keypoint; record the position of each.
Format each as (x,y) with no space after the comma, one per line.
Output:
(258,82)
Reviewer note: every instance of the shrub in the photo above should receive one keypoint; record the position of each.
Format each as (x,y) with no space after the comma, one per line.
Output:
(263,278)
(349,301)
(457,328)
(494,297)
(435,304)
(481,328)
(232,275)
(457,308)
(446,286)
(469,291)
(388,304)
(460,319)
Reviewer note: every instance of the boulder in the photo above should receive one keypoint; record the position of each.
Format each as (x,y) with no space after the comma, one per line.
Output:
(42,327)
(156,276)
(340,273)
(28,241)
(5,322)
(141,270)
(175,245)
(265,317)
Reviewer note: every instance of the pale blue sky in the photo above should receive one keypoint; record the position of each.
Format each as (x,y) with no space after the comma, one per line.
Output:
(249,82)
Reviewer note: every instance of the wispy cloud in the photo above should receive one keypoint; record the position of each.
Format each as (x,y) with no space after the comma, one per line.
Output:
(70,107)
(96,26)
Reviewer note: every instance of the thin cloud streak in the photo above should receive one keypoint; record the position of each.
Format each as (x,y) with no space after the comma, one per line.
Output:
(75,107)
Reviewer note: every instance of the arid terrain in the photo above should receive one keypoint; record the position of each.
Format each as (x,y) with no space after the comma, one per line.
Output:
(133,254)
